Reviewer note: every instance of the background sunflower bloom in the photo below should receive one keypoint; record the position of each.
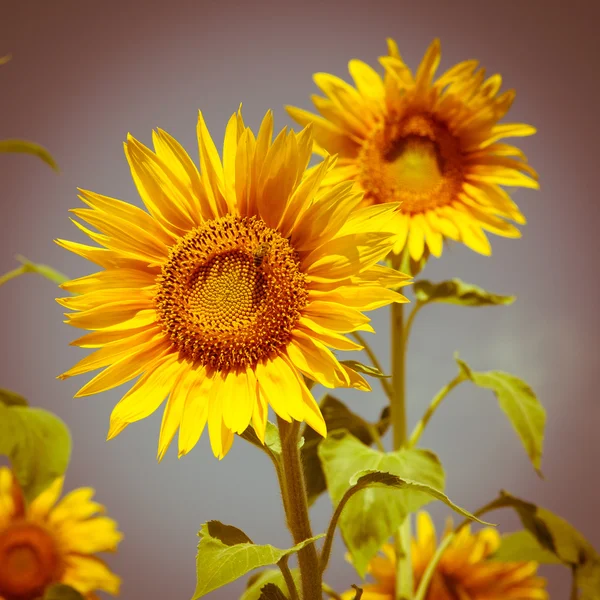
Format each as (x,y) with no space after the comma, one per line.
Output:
(465,570)
(433,145)
(232,287)
(49,542)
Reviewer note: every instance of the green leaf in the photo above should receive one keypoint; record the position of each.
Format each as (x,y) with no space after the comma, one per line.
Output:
(43,270)
(373,515)
(560,538)
(519,403)
(257,582)
(523,546)
(226,553)
(364,369)
(23,146)
(9,398)
(271,592)
(38,445)
(60,591)
(272,443)
(29,267)
(338,417)
(406,264)
(458,292)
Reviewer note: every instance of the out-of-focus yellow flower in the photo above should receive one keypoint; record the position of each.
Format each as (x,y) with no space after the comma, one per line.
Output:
(463,573)
(432,144)
(49,542)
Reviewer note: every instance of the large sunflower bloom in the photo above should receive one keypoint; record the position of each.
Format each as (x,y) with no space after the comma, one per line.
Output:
(232,287)
(48,542)
(464,572)
(431,144)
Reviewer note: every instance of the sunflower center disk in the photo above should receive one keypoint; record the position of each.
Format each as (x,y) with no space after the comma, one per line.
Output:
(230,293)
(413,160)
(29,562)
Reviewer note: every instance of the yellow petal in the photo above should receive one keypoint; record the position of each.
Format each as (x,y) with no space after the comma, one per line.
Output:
(198,397)
(280,387)
(88,573)
(42,505)
(149,392)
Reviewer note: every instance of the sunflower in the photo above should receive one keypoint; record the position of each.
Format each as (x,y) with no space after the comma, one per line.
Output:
(464,572)
(433,145)
(231,288)
(46,543)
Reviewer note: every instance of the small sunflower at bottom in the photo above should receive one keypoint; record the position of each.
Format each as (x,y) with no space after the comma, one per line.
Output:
(465,571)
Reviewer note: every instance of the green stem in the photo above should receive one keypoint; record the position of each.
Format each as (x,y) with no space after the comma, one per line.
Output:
(12,274)
(410,321)
(331,592)
(420,426)
(387,388)
(288,578)
(433,563)
(404,575)
(295,503)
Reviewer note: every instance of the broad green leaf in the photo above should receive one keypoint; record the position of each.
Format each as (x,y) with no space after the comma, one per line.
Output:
(256,583)
(60,591)
(271,592)
(372,516)
(226,553)
(364,369)
(9,398)
(523,546)
(559,537)
(519,403)
(338,417)
(272,443)
(458,292)
(38,445)
(23,146)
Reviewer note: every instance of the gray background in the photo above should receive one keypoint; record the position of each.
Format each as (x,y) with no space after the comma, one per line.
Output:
(86,73)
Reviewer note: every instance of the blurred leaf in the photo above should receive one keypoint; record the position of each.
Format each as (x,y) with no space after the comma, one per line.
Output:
(38,445)
(9,398)
(560,538)
(458,292)
(372,516)
(257,582)
(271,592)
(43,270)
(23,146)
(338,417)
(522,546)
(406,264)
(29,267)
(5,59)
(60,591)
(226,553)
(519,403)
(364,369)
(272,445)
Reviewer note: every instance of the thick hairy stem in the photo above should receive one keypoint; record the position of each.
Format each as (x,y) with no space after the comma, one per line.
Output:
(404,576)
(295,503)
